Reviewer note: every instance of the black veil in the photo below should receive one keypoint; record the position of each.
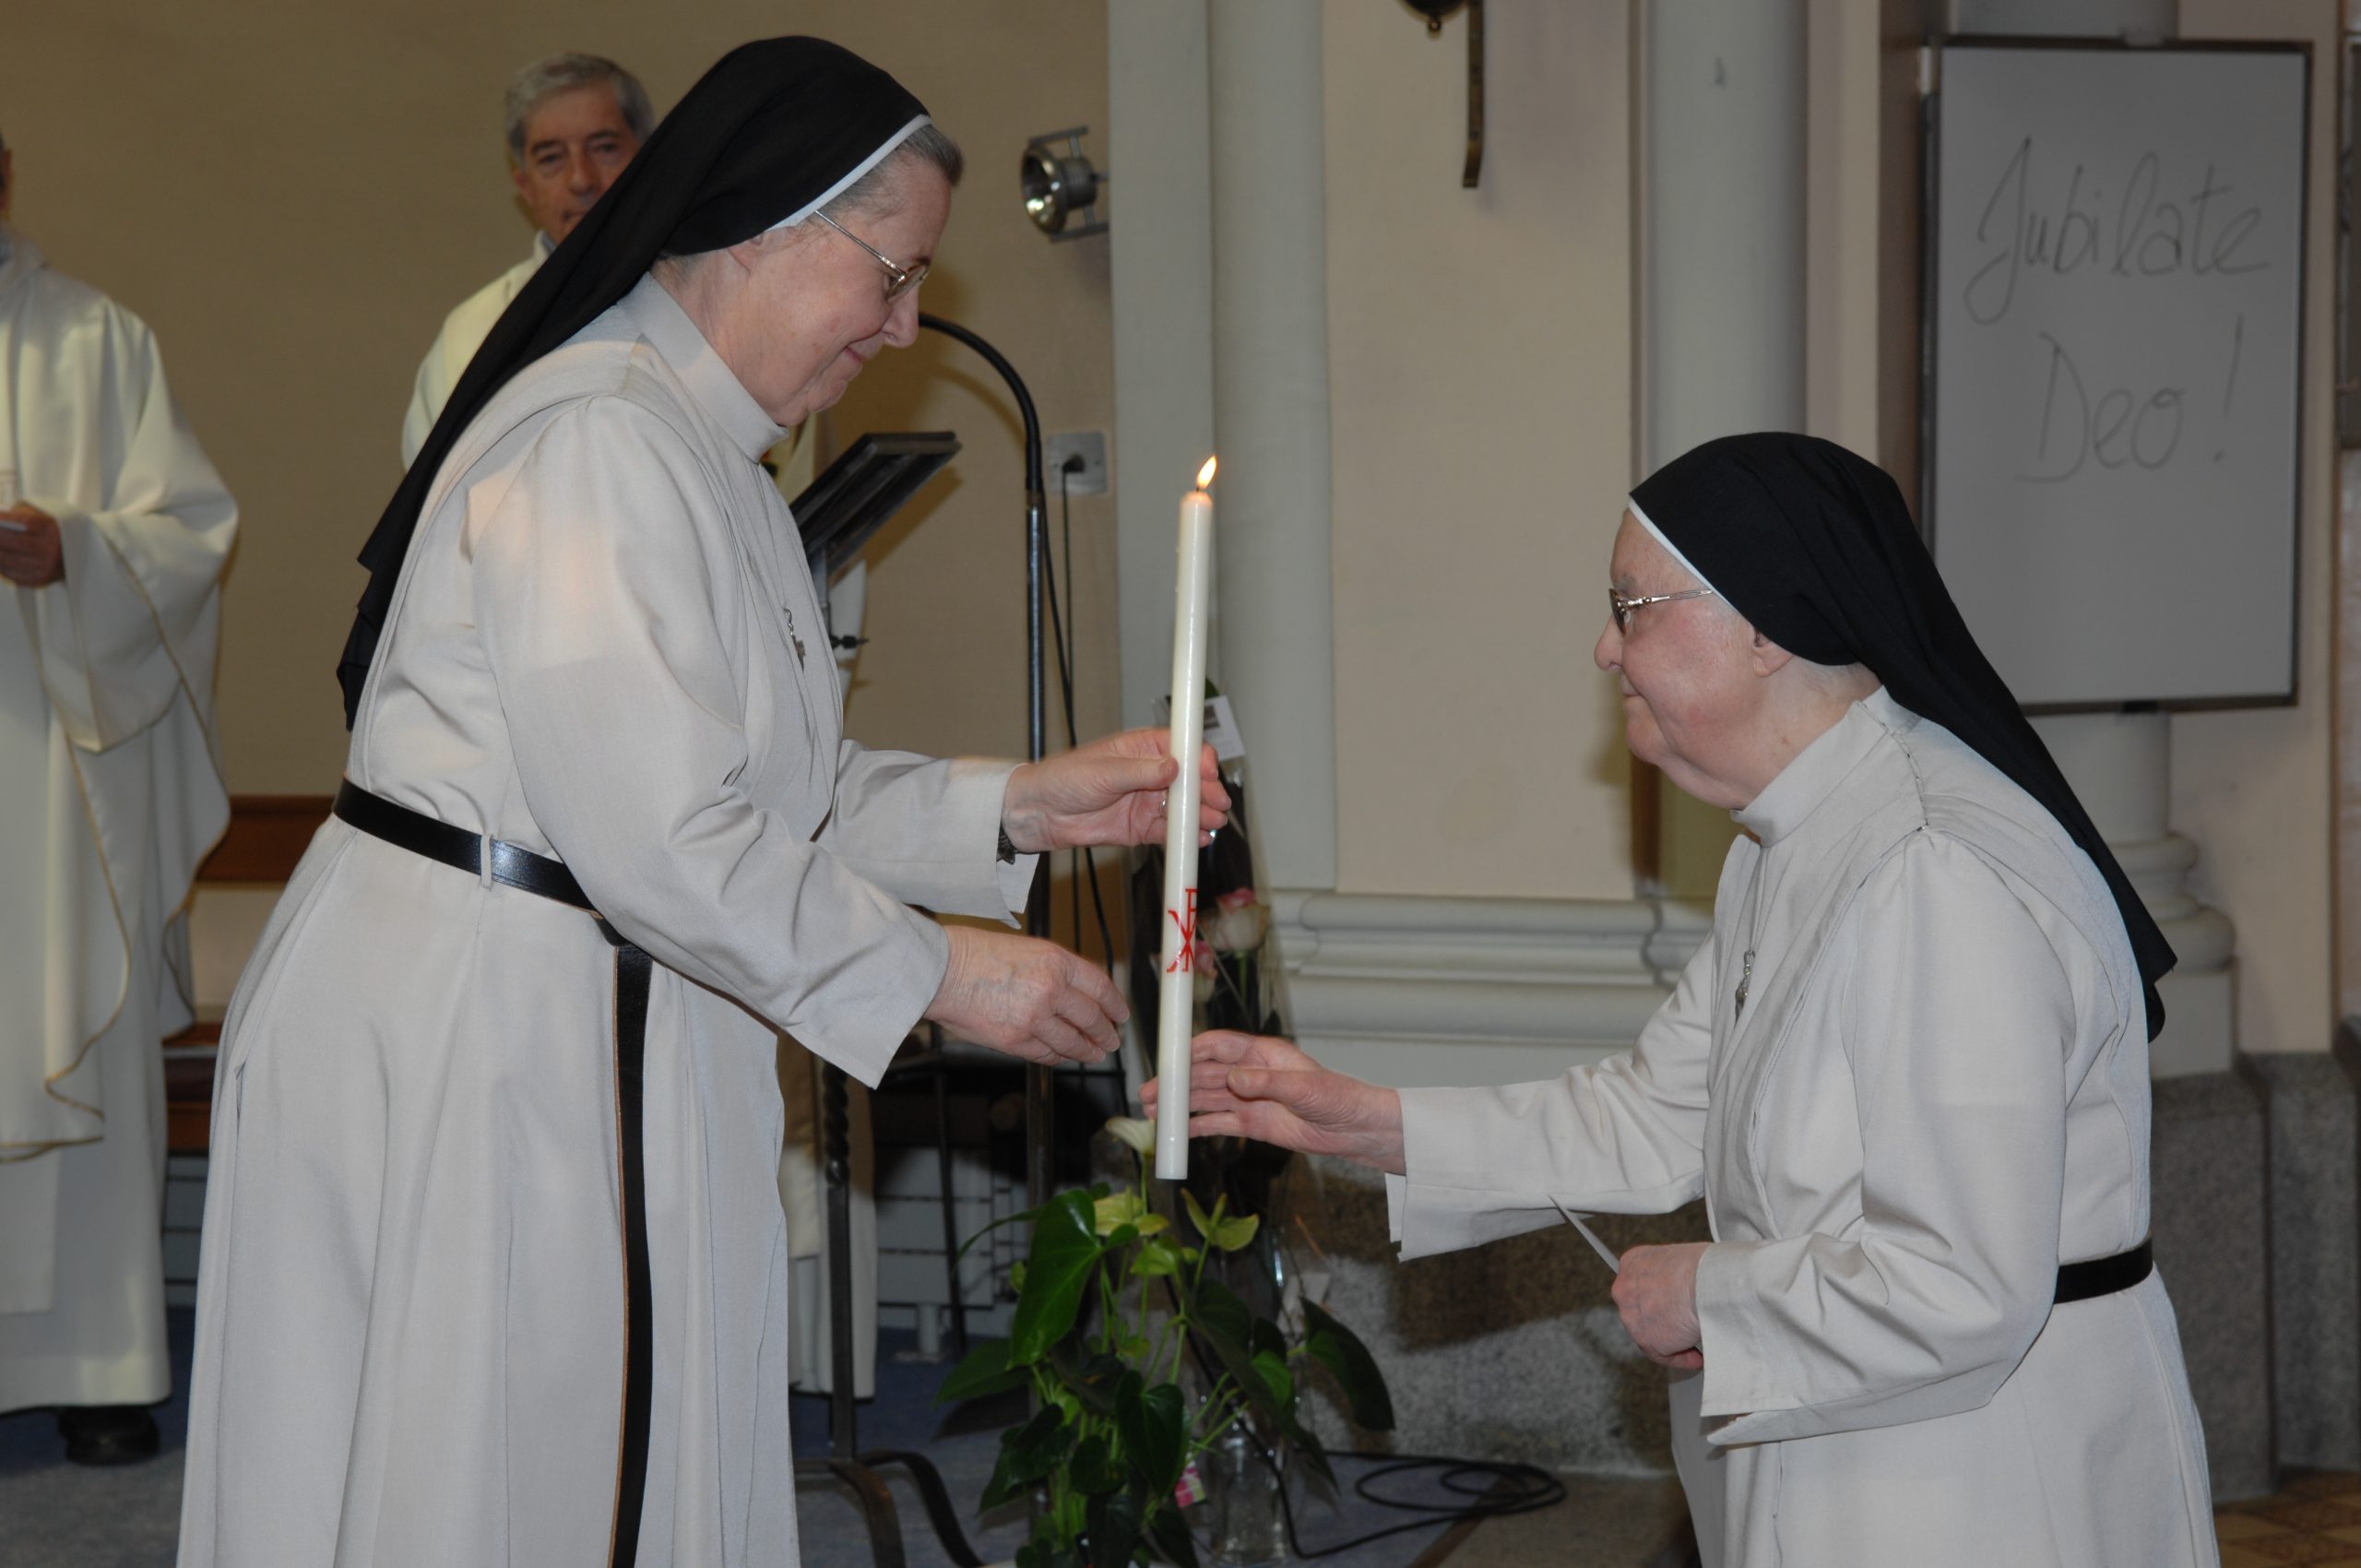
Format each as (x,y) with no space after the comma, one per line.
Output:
(1815,547)
(774,130)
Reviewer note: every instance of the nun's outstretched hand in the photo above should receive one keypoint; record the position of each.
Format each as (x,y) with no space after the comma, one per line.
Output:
(1262,1087)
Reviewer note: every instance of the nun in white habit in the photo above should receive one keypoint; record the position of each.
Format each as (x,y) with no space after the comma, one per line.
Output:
(1907,1070)
(495,1269)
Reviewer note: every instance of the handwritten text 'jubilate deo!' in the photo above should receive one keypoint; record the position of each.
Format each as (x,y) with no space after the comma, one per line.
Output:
(2156,227)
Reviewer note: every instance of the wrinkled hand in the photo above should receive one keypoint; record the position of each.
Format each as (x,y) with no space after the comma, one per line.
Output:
(35,557)
(1109,791)
(1030,998)
(1656,1293)
(1267,1089)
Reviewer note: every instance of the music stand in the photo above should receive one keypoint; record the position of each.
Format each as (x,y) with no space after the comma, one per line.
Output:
(838,515)
(842,509)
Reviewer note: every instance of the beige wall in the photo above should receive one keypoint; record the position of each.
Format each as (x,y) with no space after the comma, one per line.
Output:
(292,194)
(1479,360)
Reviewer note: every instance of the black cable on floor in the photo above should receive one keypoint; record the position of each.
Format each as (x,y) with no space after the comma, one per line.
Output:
(1498,1487)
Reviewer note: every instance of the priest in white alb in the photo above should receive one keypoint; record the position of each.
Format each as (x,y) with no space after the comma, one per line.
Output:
(114,531)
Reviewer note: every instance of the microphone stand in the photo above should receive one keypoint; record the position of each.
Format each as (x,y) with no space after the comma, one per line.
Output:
(859,1471)
(1041,1111)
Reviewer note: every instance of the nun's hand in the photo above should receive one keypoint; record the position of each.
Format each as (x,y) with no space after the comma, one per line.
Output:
(1109,792)
(1030,998)
(1655,1292)
(1267,1089)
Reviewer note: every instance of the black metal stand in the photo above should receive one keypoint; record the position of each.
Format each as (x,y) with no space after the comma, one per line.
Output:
(1041,1118)
(845,1462)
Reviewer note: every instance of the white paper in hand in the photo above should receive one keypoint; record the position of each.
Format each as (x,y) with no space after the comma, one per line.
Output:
(1614,1264)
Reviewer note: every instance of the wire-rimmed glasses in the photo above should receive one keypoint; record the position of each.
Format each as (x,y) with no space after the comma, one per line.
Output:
(900,279)
(1621,605)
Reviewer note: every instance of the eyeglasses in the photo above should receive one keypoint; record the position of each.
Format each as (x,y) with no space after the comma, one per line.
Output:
(900,279)
(1620,607)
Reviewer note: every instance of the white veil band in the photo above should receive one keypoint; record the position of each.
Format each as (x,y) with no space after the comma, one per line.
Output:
(854,176)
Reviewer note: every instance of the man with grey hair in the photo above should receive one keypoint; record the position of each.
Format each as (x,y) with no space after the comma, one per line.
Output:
(573,122)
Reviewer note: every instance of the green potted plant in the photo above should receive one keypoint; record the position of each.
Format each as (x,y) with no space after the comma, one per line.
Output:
(1138,1358)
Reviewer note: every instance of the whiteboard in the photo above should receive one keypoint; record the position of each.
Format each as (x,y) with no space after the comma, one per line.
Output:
(2115,291)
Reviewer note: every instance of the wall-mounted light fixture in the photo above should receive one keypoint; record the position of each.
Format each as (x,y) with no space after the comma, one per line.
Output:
(1061,186)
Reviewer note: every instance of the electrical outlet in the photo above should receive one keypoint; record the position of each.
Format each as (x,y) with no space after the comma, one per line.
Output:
(1090,446)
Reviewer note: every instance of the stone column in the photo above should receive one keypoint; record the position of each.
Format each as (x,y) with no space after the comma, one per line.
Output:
(2120,765)
(1270,341)
(1721,271)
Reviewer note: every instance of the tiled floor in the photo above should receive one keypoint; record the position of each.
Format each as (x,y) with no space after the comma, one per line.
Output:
(2314,1519)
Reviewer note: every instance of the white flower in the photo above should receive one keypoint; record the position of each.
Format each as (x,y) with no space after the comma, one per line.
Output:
(1242,923)
(1136,1132)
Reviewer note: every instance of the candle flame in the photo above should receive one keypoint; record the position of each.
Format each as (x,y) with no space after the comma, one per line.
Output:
(1205,474)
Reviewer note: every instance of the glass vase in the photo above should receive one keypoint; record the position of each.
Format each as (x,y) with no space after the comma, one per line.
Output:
(1248,1516)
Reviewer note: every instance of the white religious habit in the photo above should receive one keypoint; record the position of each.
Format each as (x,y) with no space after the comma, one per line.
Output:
(1908,1072)
(800,1183)
(463,333)
(605,647)
(112,776)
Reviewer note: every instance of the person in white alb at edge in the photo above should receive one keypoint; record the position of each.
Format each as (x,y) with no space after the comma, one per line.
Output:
(573,122)
(1907,1070)
(113,541)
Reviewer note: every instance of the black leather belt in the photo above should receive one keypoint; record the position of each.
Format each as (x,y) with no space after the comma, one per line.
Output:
(522,868)
(2105,1276)
(422,835)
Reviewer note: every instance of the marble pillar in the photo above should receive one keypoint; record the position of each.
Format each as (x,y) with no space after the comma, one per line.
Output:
(1273,651)
(2120,764)
(1722,280)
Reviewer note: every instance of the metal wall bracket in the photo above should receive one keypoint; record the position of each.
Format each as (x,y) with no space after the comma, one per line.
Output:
(1434,11)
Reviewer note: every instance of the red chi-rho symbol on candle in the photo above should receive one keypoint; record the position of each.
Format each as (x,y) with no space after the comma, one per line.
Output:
(1185,962)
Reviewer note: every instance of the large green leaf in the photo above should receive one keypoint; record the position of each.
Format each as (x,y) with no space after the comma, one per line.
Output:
(1215,1308)
(1113,1212)
(1057,1272)
(1222,1231)
(1169,1532)
(1035,1449)
(1277,1378)
(1198,1216)
(1264,1339)
(1222,1322)
(1160,1257)
(1341,1351)
(986,1370)
(1150,1422)
(1002,1487)
(1096,1467)
(1090,1380)
(1114,1526)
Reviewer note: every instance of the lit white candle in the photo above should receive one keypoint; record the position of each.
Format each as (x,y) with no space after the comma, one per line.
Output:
(1177,999)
